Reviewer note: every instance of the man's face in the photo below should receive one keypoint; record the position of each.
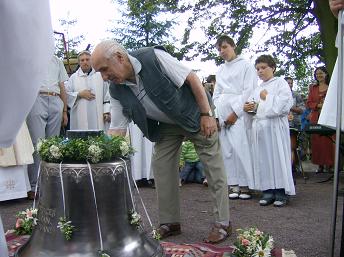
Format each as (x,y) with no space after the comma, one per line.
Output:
(264,71)
(290,83)
(112,69)
(226,51)
(85,62)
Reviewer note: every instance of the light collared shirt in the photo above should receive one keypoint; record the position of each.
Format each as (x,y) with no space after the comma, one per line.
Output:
(174,69)
(55,73)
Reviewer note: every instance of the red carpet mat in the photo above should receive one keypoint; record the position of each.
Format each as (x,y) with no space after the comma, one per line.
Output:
(170,249)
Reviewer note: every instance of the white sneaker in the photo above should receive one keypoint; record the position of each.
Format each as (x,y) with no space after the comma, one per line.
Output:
(244,196)
(233,196)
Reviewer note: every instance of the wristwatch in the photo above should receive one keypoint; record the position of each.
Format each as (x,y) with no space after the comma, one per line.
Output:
(209,114)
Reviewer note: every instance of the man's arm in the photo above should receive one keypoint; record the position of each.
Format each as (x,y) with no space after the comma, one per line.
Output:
(119,122)
(208,124)
(63,97)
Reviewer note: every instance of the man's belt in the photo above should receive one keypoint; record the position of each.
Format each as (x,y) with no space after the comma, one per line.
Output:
(49,93)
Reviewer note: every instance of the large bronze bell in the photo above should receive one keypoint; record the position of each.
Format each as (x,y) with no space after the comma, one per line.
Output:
(101,224)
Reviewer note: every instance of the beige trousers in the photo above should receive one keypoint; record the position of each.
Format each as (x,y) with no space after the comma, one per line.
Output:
(165,164)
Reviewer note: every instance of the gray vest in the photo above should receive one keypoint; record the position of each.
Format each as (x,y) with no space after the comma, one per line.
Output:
(179,104)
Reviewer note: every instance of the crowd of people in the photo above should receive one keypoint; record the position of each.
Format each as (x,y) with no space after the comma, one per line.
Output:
(244,132)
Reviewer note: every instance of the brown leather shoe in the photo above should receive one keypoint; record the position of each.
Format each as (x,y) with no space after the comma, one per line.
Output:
(169,229)
(218,233)
(31,195)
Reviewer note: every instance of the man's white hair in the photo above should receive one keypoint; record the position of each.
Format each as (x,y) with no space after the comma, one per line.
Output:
(111,47)
(86,52)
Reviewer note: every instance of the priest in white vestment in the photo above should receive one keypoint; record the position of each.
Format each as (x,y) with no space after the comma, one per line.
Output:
(87,97)
(235,81)
(270,135)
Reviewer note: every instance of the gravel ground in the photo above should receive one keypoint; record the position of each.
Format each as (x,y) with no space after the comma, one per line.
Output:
(303,225)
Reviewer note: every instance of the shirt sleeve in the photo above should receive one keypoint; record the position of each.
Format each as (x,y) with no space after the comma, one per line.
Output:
(63,76)
(173,68)
(118,120)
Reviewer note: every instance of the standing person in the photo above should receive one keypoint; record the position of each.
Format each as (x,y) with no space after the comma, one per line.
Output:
(192,170)
(168,102)
(294,118)
(48,113)
(270,135)
(322,147)
(86,94)
(236,79)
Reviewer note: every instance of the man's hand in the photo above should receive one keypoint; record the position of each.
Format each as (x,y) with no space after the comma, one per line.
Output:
(336,6)
(64,119)
(107,117)
(231,119)
(87,94)
(263,94)
(208,126)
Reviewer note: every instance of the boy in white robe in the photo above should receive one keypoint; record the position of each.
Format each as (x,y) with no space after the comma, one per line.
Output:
(235,81)
(87,94)
(270,135)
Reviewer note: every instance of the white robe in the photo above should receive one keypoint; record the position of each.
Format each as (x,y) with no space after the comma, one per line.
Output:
(14,180)
(328,114)
(270,137)
(26,47)
(86,114)
(235,81)
(141,160)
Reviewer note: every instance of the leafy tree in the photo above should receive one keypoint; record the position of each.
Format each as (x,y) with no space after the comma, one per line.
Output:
(146,23)
(69,47)
(298,33)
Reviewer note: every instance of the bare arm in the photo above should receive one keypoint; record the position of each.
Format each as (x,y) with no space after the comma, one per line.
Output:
(208,124)
(63,96)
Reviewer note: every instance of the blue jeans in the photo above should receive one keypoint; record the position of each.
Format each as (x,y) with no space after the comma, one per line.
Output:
(192,172)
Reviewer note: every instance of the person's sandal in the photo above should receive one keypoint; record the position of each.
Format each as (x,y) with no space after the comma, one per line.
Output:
(218,233)
(169,229)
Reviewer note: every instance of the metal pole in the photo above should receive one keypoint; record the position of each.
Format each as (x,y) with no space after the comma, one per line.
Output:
(338,132)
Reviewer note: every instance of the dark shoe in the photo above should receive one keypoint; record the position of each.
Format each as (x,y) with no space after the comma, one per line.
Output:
(266,202)
(280,203)
(169,229)
(267,198)
(218,233)
(31,195)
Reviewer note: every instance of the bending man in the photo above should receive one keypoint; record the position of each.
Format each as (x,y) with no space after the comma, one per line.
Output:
(168,103)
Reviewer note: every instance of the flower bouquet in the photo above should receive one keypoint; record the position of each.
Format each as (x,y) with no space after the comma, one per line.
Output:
(94,149)
(252,242)
(26,220)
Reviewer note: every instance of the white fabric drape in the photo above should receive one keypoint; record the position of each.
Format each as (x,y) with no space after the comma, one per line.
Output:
(141,160)
(26,47)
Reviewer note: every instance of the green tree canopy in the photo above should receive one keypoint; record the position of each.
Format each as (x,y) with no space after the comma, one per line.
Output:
(146,23)
(298,33)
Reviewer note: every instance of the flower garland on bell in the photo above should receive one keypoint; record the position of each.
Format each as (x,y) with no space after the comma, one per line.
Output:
(93,149)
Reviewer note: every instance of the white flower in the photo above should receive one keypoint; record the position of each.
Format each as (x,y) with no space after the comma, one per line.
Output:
(55,151)
(39,144)
(262,252)
(124,147)
(95,153)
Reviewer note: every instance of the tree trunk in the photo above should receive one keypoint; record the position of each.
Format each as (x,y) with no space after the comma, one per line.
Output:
(328,31)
